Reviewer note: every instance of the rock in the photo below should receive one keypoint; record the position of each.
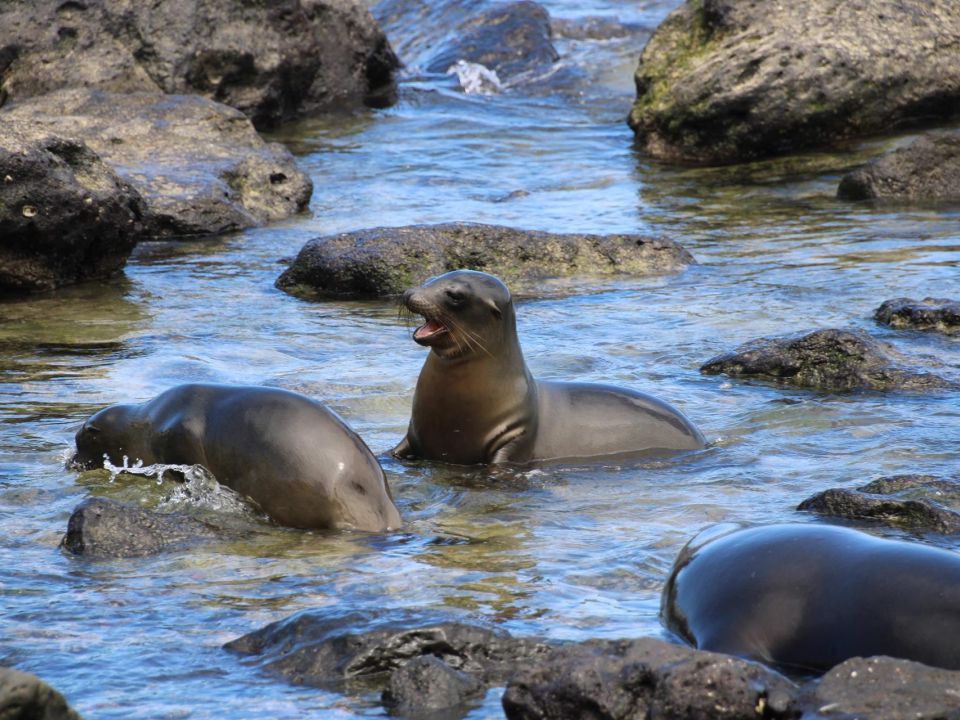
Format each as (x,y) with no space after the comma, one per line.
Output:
(103,528)
(927,169)
(322,650)
(26,697)
(645,678)
(511,39)
(882,688)
(65,216)
(853,505)
(426,684)
(386,261)
(832,360)
(593,27)
(726,81)
(912,501)
(200,166)
(937,314)
(273,61)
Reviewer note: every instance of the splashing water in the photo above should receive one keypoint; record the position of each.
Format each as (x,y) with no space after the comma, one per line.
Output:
(199,489)
(476,79)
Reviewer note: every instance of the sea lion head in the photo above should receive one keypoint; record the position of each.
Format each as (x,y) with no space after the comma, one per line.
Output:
(466,312)
(110,433)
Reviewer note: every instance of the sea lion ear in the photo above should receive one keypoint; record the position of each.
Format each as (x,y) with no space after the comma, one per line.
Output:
(492,304)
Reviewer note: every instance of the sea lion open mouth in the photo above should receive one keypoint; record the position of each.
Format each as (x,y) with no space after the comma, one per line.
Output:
(430,331)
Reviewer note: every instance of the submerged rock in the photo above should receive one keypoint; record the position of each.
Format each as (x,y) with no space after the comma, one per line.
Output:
(26,697)
(103,528)
(625,679)
(912,501)
(937,314)
(200,166)
(422,668)
(273,61)
(426,684)
(826,360)
(386,261)
(511,40)
(927,169)
(726,81)
(65,215)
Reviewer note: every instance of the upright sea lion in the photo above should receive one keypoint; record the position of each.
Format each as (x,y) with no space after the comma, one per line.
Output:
(476,401)
(806,597)
(291,455)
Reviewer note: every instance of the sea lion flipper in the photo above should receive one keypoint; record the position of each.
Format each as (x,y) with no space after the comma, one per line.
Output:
(403,450)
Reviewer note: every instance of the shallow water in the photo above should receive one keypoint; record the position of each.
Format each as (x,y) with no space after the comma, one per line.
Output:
(565,551)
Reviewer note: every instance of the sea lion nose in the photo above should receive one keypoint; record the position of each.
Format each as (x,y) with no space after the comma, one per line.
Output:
(408,296)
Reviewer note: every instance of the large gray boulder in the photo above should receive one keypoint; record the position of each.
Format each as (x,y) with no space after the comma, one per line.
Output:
(928,169)
(200,166)
(727,81)
(65,215)
(386,261)
(26,697)
(825,360)
(271,60)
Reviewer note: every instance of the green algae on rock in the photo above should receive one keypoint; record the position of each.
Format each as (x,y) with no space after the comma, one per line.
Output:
(725,81)
(386,261)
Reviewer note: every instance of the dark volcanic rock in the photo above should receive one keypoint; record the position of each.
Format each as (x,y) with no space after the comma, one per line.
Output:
(313,649)
(512,39)
(27,697)
(927,169)
(912,501)
(826,360)
(426,684)
(65,216)
(386,261)
(200,166)
(733,80)
(273,61)
(102,528)
(938,314)
(645,678)
(509,38)
(882,688)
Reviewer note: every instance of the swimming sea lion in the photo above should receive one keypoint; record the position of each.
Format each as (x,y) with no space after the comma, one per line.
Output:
(291,455)
(804,598)
(476,401)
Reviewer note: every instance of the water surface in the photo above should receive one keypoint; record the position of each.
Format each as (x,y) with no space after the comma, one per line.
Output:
(565,551)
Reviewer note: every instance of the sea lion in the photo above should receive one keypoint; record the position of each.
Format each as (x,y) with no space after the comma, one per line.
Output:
(804,598)
(291,455)
(476,401)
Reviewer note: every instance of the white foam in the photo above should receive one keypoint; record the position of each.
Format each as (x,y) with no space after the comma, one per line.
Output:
(476,79)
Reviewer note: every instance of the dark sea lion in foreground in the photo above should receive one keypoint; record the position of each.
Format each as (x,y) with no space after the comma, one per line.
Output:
(292,456)
(804,598)
(476,401)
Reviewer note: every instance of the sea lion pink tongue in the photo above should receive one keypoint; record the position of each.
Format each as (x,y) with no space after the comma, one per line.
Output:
(476,401)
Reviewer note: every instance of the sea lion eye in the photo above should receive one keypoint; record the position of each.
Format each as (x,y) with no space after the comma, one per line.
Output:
(455,298)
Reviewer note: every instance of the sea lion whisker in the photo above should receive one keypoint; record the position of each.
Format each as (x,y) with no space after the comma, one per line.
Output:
(468,334)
